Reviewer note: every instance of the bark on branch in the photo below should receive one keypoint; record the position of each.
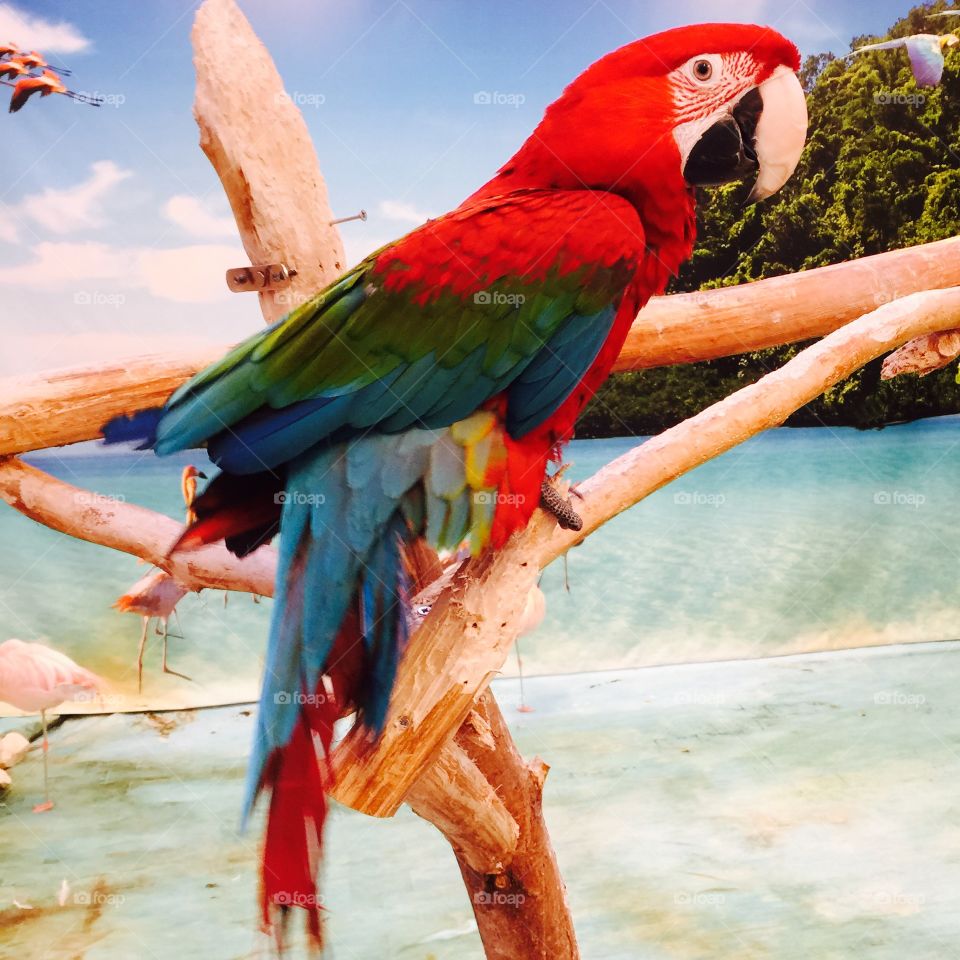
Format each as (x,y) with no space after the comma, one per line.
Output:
(66,406)
(466,638)
(473,644)
(469,633)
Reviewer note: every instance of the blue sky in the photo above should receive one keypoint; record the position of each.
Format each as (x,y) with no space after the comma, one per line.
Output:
(113,230)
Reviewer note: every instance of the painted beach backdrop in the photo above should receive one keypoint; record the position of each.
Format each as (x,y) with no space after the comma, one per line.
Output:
(800,540)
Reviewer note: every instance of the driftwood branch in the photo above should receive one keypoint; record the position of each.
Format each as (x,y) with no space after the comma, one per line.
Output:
(130,529)
(797,306)
(66,406)
(923,355)
(474,622)
(468,634)
(255,137)
(521,910)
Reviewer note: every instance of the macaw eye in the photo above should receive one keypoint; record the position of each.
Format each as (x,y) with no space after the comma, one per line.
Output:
(705,69)
(702,69)
(422,610)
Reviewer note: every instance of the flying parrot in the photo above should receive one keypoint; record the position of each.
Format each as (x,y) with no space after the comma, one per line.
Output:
(926,52)
(424,393)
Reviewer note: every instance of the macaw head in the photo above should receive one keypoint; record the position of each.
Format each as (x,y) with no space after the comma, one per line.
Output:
(694,106)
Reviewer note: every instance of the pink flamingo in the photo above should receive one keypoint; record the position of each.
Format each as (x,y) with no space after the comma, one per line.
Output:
(32,60)
(14,67)
(157,594)
(36,678)
(45,84)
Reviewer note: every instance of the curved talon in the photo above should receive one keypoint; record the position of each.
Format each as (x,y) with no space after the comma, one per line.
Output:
(553,502)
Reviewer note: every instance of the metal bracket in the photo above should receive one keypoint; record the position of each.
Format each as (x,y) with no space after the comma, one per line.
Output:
(272,276)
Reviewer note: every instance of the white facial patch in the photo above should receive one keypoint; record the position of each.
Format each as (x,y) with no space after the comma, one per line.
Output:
(700,101)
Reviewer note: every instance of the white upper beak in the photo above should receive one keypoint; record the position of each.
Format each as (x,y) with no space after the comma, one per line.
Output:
(781,131)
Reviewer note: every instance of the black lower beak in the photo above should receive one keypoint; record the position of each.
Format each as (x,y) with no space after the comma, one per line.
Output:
(726,151)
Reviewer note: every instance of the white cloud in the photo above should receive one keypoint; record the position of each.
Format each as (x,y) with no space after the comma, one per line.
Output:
(74,208)
(190,214)
(32,32)
(404,212)
(29,352)
(60,264)
(192,274)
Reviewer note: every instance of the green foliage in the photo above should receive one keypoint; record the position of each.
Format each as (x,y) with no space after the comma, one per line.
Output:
(881,171)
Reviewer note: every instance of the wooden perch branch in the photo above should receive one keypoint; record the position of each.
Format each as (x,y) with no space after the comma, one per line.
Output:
(458,800)
(923,355)
(797,306)
(453,794)
(130,529)
(466,638)
(522,910)
(67,406)
(273,183)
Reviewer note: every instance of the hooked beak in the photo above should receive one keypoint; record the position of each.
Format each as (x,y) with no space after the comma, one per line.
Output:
(763,133)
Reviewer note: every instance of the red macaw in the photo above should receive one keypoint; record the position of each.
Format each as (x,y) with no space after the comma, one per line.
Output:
(423,393)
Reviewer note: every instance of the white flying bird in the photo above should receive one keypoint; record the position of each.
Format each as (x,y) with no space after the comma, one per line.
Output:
(925,51)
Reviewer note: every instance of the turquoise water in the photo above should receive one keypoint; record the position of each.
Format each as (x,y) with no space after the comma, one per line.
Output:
(798,540)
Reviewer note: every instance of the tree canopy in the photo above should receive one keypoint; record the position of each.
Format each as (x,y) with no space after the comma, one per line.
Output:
(881,171)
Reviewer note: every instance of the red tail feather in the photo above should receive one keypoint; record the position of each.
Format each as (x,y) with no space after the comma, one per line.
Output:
(298,779)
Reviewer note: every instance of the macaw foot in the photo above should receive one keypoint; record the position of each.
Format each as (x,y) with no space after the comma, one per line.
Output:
(552,501)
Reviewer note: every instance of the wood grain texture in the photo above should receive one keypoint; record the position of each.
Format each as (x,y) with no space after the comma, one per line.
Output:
(466,637)
(687,327)
(923,355)
(38,411)
(128,528)
(521,911)
(458,800)
(256,138)
(65,406)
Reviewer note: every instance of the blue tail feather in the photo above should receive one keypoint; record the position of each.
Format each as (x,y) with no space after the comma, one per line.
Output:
(139,428)
(343,529)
